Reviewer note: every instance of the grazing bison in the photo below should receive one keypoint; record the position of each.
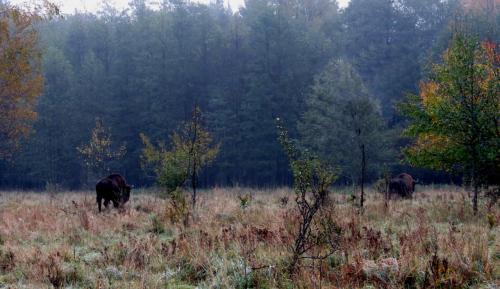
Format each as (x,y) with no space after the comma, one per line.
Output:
(402,185)
(112,188)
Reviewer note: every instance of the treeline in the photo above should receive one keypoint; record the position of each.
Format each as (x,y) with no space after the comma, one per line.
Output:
(143,70)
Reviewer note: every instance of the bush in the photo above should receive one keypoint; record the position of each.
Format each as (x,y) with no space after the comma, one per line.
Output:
(55,273)
(7,260)
(230,270)
(178,209)
(156,225)
(311,180)
(73,274)
(53,187)
(492,221)
(245,200)
(380,186)
(169,167)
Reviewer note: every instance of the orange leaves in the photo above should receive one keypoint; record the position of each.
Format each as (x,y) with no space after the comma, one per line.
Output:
(491,51)
(429,93)
(455,120)
(433,99)
(21,80)
(491,58)
(431,141)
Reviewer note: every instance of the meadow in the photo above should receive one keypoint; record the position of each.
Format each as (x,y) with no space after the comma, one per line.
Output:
(242,238)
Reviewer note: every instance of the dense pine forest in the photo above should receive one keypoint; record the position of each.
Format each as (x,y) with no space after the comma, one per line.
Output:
(143,71)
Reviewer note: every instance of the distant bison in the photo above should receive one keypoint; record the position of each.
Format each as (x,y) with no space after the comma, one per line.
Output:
(402,185)
(112,188)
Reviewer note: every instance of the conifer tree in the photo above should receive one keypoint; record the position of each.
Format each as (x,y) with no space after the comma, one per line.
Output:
(343,124)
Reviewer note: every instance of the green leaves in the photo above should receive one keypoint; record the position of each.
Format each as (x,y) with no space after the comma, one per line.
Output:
(311,180)
(192,149)
(310,174)
(455,117)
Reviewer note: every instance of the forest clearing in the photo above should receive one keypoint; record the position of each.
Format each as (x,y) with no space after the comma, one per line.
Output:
(280,144)
(241,238)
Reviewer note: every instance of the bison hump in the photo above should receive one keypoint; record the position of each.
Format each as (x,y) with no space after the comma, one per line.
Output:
(118,180)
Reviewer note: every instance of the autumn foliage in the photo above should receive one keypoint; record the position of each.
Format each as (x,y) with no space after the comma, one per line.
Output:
(455,117)
(21,79)
(99,153)
(20,74)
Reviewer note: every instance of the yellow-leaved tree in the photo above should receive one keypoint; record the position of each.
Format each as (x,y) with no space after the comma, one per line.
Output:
(99,154)
(21,79)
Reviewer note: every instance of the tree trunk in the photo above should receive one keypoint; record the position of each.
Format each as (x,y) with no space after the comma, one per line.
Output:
(362,178)
(475,182)
(194,179)
(476,192)
(474,199)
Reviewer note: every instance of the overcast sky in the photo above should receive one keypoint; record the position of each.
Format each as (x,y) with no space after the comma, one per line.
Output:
(69,6)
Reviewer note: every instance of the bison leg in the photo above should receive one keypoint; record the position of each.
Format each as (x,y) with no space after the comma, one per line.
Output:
(106,203)
(117,195)
(406,190)
(99,200)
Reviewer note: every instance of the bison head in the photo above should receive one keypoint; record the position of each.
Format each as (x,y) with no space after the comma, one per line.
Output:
(125,196)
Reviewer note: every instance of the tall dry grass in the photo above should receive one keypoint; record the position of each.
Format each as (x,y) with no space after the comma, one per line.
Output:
(241,238)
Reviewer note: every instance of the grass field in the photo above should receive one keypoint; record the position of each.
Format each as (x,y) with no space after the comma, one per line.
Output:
(60,240)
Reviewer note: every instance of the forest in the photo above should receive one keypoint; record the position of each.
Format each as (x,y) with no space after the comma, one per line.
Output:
(143,71)
(285,144)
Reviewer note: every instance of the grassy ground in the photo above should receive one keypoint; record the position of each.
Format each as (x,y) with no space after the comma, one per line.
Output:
(60,240)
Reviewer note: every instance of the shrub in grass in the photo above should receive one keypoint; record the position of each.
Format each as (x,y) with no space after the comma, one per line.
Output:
(178,210)
(245,200)
(116,253)
(191,273)
(7,260)
(113,273)
(74,275)
(156,225)
(55,273)
(492,221)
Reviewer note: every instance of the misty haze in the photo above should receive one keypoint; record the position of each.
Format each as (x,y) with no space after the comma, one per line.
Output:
(249,144)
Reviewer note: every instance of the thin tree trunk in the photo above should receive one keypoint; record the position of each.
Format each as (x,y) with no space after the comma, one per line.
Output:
(194,179)
(474,199)
(476,191)
(193,154)
(475,181)
(362,179)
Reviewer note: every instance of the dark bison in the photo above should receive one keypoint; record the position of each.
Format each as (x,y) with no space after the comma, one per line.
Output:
(402,185)
(112,188)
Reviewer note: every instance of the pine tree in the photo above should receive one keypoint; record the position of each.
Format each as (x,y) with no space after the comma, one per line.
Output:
(343,124)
